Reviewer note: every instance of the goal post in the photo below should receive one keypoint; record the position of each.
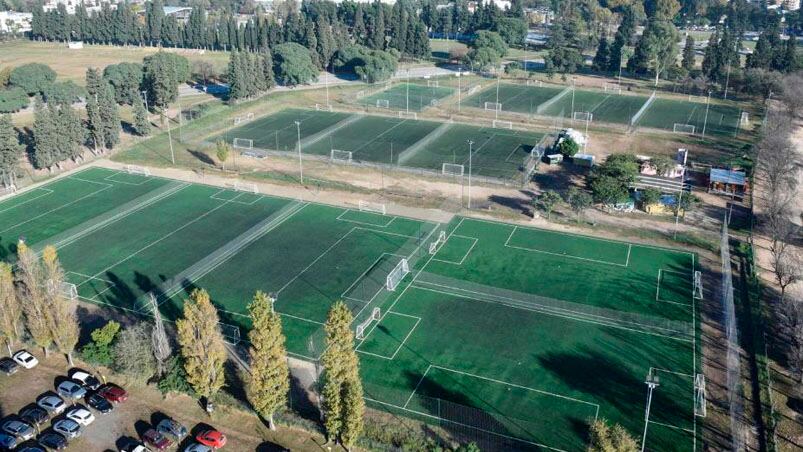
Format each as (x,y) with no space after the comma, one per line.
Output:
(408,114)
(493,106)
(376,315)
(138,170)
(452,169)
(699,395)
(340,156)
(614,88)
(246,187)
(230,333)
(373,207)
(397,275)
(243,143)
(382,103)
(744,119)
(323,107)
(433,83)
(683,128)
(586,116)
(8,190)
(698,285)
(500,124)
(435,246)
(68,291)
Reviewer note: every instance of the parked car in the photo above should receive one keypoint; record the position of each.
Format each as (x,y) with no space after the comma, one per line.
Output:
(8,442)
(81,415)
(32,446)
(172,428)
(53,404)
(68,427)
(156,440)
(34,415)
(99,403)
(85,379)
(53,440)
(70,390)
(18,428)
(212,438)
(8,366)
(25,359)
(113,393)
(134,447)
(197,447)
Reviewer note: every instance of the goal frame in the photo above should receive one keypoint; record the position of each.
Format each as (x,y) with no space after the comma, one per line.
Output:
(230,333)
(69,291)
(683,128)
(493,106)
(698,285)
(323,107)
(435,246)
(8,190)
(138,170)
(433,84)
(453,169)
(612,87)
(408,114)
(502,124)
(699,395)
(246,187)
(242,143)
(583,116)
(372,207)
(359,331)
(744,119)
(340,156)
(396,275)
(383,103)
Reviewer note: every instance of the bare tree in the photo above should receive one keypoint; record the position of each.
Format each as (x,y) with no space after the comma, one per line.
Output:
(132,352)
(159,341)
(778,161)
(10,308)
(793,93)
(790,316)
(787,266)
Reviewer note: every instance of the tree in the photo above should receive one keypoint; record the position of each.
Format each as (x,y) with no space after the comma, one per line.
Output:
(787,266)
(202,344)
(32,296)
(13,100)
(578,200)
(491,40)
(99,351)
(790,316)
(342,413)
(547,202)
(45,136)
(10,308)
(126,79)
(33,78)
(60,313)
(222,151)
(568,147)
(688,61)
(512,30)
(64,93)
(605,438)
(601,61)
(656,50)
(132,352)
(10,151)
(142,125)
(610,181)
(293,64)
(160,344)
(663,165)
(269,380)
(163,72)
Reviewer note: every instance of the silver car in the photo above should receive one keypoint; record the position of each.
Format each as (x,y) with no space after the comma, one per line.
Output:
(53,404)
(172,428)
(19,429)
(71,390)
(68,427)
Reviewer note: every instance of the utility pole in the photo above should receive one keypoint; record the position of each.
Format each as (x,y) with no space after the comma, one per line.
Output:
(408,90)
(652,383)
(459,87)
(170,140)
(470,143)
(300,166)
(498,106)
(707,104)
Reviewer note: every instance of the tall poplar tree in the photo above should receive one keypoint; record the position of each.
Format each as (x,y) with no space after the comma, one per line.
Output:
(32,296)
(61,317)
(10,308)
(10,150)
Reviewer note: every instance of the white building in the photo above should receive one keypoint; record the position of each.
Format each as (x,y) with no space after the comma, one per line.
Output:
(14,22)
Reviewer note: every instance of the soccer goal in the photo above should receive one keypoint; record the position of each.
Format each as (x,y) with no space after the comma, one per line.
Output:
(683,128)
(136,169)
(613,88)
(583,116)
(382,103)
(434,246)
(230,333)
(500,124)
(249,116)
(238,120)
(698,285)
(243,143)
(699,395)
(376,314)
(69,291)
(452,169)
(397,275)
(408,114)
(323,107)
(433,83)
(339,156)
(360,93)
(373,207)
(493,106)
(434,103)
(246,187)
(8,190)
(537,83)
(744,119)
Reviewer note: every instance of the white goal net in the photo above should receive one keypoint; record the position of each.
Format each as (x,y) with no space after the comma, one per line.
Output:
(408,114)
(247,187)
(493,106)
(374,207)
(433,83)
(376,314)
(683,128)
(323,107)
(69,291)
(243,143)
(382,103)
(8,190)
(230,333)
(435,246)
(744,119)
(340,156)
(614,88)
(135,169)
(698,285)
(583,116)
(699,395)
(452,169)
(397,275)
(499,124)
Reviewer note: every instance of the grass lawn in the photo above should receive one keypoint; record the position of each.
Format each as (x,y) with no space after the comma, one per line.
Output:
(511,336)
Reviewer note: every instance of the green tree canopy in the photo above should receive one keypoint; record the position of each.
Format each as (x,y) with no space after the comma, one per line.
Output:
(32,77)
(370,65)
(13,100)
(491,40)
(126,78)
(293,64)
(64,92)
(513,30)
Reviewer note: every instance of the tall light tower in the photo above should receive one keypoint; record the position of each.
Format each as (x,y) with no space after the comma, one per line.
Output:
(300,166)
(652,383)
(470,143)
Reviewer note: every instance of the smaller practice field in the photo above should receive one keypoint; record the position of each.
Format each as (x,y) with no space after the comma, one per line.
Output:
(408,96)
(721,120)
(604,107)
(515,98)
(278,131)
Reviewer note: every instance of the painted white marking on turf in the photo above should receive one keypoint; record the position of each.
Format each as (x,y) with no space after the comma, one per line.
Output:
(464,256)
(111,178)
(672,426)
(421,380)
(395,352)
(57,208)
(47,193)
(392,219)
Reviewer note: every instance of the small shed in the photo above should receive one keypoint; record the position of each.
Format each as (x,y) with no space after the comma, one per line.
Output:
(583,160)
(728,182)
(553,159)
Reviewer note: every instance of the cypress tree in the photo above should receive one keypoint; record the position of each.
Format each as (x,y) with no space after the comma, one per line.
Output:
(234,77)
(267,69)
(45,136)
(109,115)
(688,54)
(142,126)
(10,150)
(154,19)
(95,122)
(601,61)
(70,131)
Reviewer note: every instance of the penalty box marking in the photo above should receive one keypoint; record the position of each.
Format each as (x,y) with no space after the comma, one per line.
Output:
(658,288)
(111,178)
(395,352)
(464,256)
(362,275)
(47,191)
(392,219)
(524,248)
(234,199)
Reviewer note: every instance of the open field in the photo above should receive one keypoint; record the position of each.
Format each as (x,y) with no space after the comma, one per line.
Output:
(494,326)
(497,153)
(605,107)
(721,120)
(408,96)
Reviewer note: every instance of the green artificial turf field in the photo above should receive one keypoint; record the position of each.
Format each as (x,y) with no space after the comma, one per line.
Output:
(514,98)
(511,336)
(278,131)
(723,120)
(408,96)
(605,107)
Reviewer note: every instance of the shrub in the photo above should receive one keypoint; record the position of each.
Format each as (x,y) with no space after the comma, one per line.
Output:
(99,351)
(13,100)
(133,354)
(174,378)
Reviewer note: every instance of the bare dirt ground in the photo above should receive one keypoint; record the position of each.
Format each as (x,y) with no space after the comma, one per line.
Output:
(144,407)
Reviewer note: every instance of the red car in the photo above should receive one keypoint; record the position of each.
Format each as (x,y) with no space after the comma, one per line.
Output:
(156,439)
(211,438)
(113,393)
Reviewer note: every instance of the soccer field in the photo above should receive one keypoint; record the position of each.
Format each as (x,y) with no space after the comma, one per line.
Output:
(514,98)
(278,131)
(407,96)
(512,336)
(605,107)
(723,120)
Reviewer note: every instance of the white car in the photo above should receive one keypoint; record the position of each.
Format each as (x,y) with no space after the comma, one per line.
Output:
(85,379)
(53,404)
(198,447)
(81,415)
(68,427)
(25,359)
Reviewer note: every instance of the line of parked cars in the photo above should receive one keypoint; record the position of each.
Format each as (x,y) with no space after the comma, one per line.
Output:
(169,432)
(27,430)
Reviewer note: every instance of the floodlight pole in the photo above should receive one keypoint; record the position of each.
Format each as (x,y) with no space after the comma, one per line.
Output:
(621,60)
(408,90)
(459,87)
(170,140)
(300,166)
(727,80)
(652,383)
(470,143)
(145,98)
(326,82)
(498,78)
(707,103)
(572,101)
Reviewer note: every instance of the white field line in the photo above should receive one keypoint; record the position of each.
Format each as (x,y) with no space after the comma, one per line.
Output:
(658,288)
(421,380)
(111,178)
(392,219)
(395,352)
(362,275)
(464,256)
(524,248)
(57,208)
(48,192)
